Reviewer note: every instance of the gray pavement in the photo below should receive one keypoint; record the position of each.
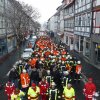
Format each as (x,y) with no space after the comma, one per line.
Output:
(88,70)
(6,66)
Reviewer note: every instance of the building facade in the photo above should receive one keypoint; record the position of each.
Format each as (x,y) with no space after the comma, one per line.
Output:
(82,28)
(51,23)
(95,36)
(11,35)
(3,39)
(12,16)
(69,23)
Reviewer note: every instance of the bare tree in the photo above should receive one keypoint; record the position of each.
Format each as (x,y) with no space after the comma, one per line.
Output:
(22,16)
(31,11)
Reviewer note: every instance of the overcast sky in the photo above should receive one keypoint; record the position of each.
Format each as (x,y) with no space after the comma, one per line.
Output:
(46,7)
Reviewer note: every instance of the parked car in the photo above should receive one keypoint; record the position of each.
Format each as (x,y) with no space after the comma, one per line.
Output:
(32,41)
(27,54)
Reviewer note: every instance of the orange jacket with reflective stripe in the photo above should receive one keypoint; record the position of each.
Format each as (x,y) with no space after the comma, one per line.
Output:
(25,80)
(78,69)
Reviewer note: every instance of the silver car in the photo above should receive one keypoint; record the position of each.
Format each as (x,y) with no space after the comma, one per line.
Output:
(27,54)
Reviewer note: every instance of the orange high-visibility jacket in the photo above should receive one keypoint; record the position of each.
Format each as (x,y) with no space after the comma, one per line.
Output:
(63,59)
(33,62)
(25,80)
(78,69)
(63,52)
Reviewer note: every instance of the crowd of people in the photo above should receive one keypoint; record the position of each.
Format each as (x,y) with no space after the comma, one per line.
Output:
(47,75)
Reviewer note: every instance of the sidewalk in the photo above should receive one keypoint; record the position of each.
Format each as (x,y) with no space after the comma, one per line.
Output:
(8,61)
(88,69)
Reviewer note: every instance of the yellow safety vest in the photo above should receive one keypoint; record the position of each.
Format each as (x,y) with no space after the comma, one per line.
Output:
(33,93)
(69,93)
(18,96)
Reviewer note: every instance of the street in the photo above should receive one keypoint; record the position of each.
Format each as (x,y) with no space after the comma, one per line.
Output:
(49,49)
(6,67)
(87,70)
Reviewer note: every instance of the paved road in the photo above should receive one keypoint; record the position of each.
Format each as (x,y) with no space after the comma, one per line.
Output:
(6,66)
(88,70)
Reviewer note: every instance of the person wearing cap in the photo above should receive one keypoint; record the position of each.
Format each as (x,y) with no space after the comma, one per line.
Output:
(9,89)
(89,89)
(68,92)
(78,71)
(44,86)
(33,92)
(25,80)
(53,92)
(17,94)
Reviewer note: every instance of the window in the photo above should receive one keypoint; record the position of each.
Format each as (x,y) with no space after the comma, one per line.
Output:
(88,18)
(79,20)
(83,20)
(98,19)
(88,1)
(76,21)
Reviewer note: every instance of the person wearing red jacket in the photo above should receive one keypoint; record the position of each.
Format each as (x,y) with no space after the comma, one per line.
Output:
(43,85)
(9,89)
(89,89)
